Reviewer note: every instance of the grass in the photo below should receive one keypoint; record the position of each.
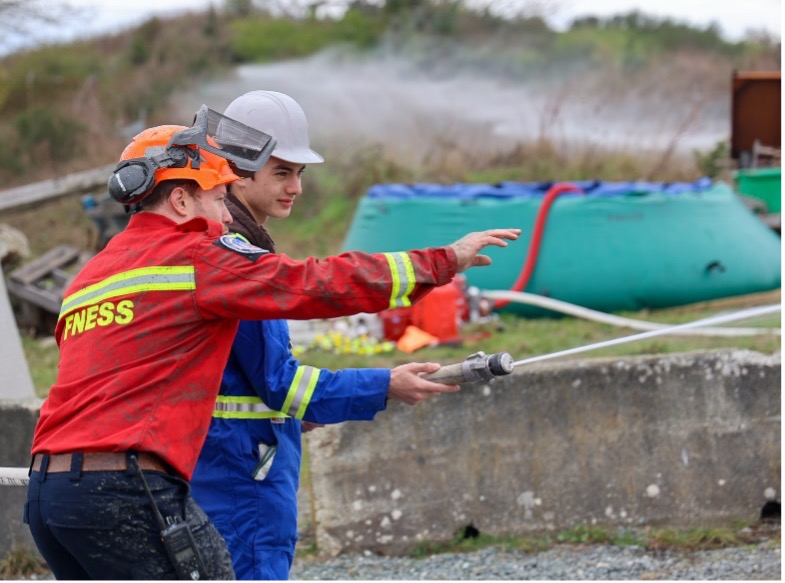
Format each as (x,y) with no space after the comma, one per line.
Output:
(696,538)
(42,358)
(21,563)
(466,544)
(585,534)
(700,538)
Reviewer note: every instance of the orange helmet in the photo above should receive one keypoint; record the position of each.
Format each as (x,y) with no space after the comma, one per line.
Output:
(211,171)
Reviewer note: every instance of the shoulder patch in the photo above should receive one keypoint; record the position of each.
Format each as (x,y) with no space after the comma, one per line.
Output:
(240,246)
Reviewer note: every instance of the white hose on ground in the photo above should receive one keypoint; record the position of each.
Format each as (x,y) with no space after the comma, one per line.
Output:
(597,316)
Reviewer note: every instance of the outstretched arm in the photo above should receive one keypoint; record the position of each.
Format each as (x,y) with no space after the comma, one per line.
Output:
(268,286)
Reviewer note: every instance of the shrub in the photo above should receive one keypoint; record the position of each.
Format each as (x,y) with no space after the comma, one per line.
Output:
(10,163)
(712,163)
(265,39)
(46,131)
(46,75)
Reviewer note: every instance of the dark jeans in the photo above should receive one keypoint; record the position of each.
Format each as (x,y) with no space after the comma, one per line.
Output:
(99,525)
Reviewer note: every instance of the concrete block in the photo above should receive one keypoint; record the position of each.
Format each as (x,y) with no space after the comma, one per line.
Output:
(17,423)
(17,383)
(685,439)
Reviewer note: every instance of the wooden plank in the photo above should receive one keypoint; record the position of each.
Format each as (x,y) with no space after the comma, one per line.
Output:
(76,183)
(53,259)
(49,300)
(61,277)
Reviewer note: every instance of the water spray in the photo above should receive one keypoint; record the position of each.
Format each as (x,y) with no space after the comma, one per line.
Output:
(479,367)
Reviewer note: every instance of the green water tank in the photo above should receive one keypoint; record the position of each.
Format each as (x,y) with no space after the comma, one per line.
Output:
(612,247)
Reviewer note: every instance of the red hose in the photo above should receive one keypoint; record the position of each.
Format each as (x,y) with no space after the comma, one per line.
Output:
(534,245)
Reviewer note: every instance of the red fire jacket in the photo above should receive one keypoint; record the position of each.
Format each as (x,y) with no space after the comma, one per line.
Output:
(146,327)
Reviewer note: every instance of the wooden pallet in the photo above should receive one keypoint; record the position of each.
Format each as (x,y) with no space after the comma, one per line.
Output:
(38,287)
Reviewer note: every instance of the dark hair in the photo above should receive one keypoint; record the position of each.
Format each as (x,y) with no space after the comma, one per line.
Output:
(163,189)
(243,173)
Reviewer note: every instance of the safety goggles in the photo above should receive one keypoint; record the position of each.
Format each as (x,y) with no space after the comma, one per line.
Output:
(244,147)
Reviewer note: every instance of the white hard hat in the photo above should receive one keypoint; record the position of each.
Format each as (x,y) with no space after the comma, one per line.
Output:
(280,116)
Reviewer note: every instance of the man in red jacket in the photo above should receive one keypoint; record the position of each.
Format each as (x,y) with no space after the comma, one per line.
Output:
(144,333)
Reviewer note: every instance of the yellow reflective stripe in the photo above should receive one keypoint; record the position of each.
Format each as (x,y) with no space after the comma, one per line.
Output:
(229,407)
(160,278)
(396,283)
(309,389)
(293,388)
(301,391)
(410,277)
(402,271)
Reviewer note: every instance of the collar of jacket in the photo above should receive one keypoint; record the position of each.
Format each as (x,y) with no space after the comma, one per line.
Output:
(147,220)
(244,224)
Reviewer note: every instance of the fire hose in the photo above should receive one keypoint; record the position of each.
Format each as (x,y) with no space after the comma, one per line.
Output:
(614,320)
(481,367)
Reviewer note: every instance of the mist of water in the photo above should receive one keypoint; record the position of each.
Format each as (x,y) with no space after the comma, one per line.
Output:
(352,102)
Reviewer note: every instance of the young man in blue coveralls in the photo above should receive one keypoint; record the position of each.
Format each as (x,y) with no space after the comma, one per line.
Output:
(248,473)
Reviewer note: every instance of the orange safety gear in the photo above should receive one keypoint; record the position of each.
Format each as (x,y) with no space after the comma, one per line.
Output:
(212,170)
(414,338)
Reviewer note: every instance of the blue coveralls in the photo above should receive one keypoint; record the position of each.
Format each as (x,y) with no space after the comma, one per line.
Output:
(258,519)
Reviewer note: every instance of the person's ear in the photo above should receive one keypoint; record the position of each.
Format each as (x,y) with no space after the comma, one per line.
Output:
(179,200)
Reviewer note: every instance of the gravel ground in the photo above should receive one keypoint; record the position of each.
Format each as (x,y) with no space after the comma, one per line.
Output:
(754,562)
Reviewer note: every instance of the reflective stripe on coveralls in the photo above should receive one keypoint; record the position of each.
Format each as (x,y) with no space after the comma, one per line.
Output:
(301,390)
(160,278)
(227,407)
(297,400)
(403,278)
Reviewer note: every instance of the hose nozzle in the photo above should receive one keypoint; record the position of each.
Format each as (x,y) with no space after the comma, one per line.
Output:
(477,367)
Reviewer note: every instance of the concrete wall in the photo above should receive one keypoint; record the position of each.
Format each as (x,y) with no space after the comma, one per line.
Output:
(17,422)
(689,439)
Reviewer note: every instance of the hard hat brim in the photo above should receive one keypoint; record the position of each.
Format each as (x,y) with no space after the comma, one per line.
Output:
(298,156)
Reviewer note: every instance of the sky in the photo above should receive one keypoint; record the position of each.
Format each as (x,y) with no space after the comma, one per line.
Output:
(735,17)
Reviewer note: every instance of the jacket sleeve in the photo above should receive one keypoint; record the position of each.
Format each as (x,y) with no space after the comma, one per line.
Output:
(262,351)
(271,286)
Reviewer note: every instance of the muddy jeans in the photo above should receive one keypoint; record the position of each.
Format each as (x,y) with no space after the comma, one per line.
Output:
(99,525)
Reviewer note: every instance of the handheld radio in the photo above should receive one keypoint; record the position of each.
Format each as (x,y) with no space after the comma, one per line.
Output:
(177,538)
